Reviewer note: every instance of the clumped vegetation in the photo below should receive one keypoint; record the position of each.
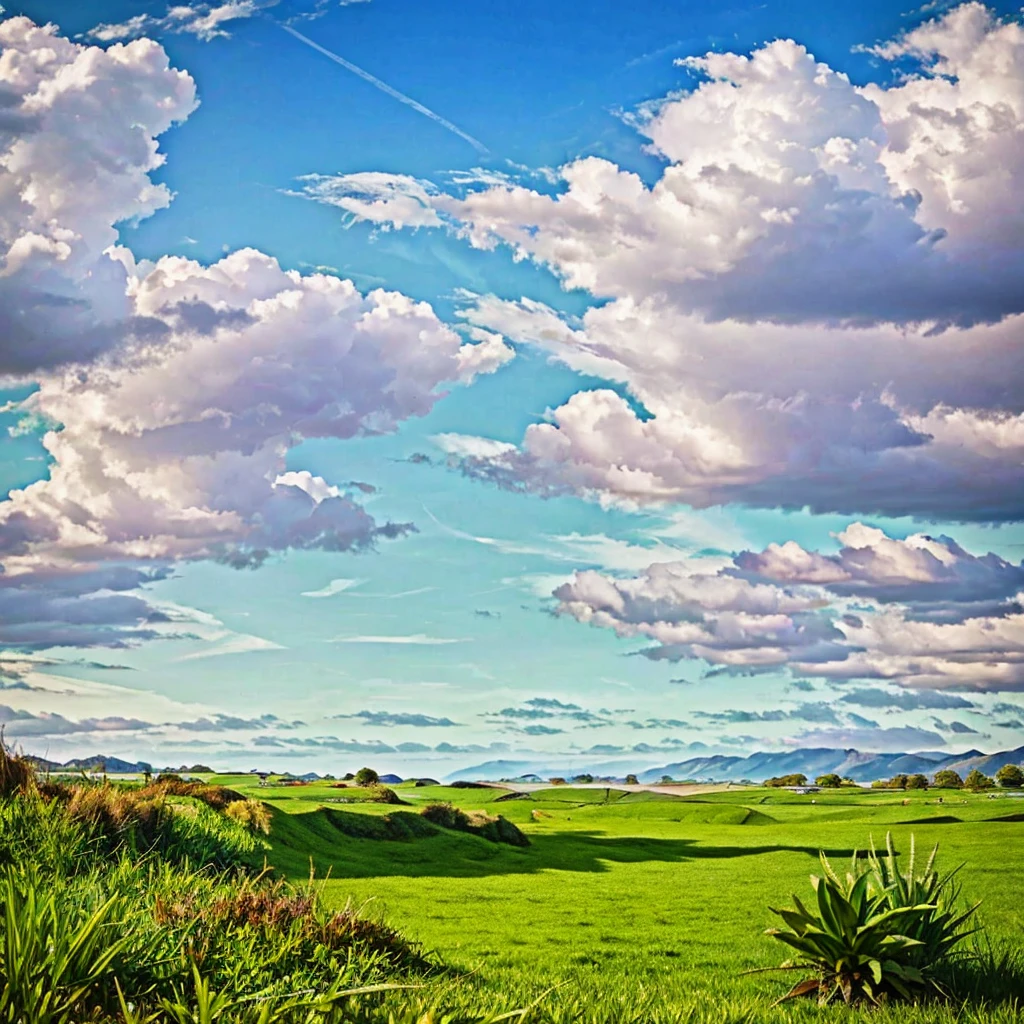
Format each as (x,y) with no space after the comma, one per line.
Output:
(124,906)
(492,827)
(977,781)
(627,907)
(782,781)
(878,932)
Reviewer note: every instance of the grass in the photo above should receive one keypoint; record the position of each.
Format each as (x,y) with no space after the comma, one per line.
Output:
(644,906)
(625,907)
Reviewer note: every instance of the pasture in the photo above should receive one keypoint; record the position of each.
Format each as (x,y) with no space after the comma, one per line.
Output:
(637,906)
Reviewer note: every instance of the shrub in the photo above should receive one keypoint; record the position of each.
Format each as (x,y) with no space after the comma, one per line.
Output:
(87,938)
(366,777)
(118,817)
(1010,776)
(17,775)
(217,797)
(494,828)
(446,815)
(252,814)
(877,933)
(797,779)
(977,781)
(384,795)
(947,779)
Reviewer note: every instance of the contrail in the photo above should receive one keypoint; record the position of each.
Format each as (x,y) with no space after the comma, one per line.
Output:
(384,87)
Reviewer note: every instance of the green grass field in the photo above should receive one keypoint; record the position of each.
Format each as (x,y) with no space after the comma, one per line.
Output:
(635,906)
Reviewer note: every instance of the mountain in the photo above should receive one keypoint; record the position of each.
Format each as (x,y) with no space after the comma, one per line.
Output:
(98,762)
(812,762)
(861,767)
(987,763)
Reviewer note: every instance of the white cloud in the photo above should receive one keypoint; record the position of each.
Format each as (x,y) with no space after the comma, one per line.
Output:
(332,588)
(78,145)
(205,21)
(926,614)
(817,304)
(391,200)
(469,446)
(172,447)
(233,643)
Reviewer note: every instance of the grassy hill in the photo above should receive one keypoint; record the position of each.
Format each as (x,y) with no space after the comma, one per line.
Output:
(624,907)
(639,899)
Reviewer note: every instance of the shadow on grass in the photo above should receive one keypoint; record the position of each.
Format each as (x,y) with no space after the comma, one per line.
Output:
(314,837)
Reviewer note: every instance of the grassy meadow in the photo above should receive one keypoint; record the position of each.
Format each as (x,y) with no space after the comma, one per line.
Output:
(635,906)
(231,901)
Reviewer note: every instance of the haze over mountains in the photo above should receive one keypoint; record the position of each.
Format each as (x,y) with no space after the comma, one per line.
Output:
(756,767)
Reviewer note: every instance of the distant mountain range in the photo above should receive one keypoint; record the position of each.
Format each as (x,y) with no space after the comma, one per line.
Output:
(812,762)
(100,762)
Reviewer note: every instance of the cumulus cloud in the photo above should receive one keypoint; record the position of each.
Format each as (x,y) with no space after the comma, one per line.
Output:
(933,575)
(78,142)
(797,613)
(171,446)
(818,302)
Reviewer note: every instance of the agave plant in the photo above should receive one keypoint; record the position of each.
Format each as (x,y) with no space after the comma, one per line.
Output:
(938,931)
(878,932)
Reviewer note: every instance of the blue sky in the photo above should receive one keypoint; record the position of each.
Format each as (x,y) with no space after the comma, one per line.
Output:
(712,315)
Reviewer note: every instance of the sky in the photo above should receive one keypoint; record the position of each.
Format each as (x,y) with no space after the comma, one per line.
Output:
(426,384)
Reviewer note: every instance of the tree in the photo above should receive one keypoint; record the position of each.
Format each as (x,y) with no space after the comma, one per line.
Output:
(917,782)
(584,778)
(631,780)
(366,777)
(797,779)
(947,779)
(899,781)
(666,778)
(977,781)
(1010,776)
(829,781)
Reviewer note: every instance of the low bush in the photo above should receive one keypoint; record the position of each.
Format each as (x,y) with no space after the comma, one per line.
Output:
(252,814)
(103,920)
(780,781)
(494,828)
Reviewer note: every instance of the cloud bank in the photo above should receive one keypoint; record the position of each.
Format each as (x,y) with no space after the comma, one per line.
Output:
(880,609)
(818,303)
(168,434)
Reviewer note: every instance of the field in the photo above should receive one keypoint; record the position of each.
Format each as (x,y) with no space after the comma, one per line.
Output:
(636,906)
